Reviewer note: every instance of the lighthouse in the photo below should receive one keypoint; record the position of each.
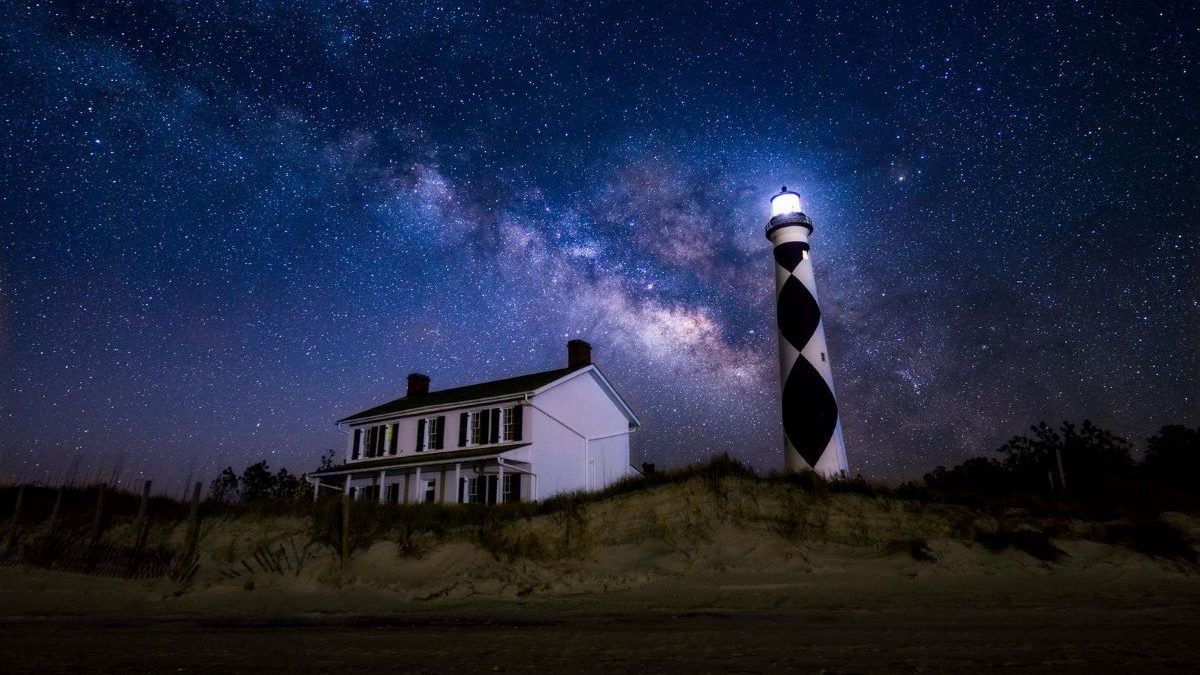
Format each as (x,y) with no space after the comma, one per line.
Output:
(811,426)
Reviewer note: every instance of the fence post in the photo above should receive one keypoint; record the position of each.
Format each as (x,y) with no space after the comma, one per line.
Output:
(56,513)
(16,519)
(193,529)
(1062,477)
(142,528)
(345,529)
(98,520)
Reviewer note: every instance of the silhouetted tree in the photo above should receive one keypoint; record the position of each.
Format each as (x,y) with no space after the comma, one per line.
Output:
(257,482)
(224,487)
(286,486)
(1173,456)
(326,460)
(977,475)
(1090,456)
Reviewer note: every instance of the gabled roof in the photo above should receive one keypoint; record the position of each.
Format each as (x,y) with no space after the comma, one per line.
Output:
(513,386)
(609,390)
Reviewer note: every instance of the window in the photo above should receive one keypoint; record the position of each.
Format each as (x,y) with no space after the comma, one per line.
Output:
(471,494)
(374,440)
(380,439)
(513,423)
(430,491)
(512,488)
(393,438)
(393,493)
(478,427)
(489,425)
(431,433)
(506,432)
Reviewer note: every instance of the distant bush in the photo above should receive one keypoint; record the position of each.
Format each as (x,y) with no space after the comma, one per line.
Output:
(1098,476)
(713,471)
(255,484)
(1173,457)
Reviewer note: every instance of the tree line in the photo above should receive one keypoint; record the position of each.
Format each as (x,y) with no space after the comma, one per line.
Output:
(1079,461)
(257,483)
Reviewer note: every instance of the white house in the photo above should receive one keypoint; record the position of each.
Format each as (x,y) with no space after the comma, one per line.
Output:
(519,439)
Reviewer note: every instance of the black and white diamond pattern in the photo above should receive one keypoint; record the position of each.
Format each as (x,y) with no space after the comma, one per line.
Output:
(810,412)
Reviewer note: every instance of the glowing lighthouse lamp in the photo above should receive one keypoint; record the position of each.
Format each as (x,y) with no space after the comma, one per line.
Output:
(811,426)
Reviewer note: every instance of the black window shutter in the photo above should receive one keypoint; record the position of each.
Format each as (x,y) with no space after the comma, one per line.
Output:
(441,432)
(420,434)
(517,411)
(395,439)
(462,430)
(491,488)
(357,444)
(462,489)
(495,425)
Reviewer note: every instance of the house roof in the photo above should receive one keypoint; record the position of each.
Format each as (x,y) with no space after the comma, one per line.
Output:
(423,458)
(522,384)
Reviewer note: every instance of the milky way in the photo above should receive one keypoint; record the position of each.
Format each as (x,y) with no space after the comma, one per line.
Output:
(227,225)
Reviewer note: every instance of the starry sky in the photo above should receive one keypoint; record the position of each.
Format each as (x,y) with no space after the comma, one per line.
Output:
(224,225)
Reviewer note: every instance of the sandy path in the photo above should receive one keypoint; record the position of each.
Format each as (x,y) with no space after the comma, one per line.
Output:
(1063,640)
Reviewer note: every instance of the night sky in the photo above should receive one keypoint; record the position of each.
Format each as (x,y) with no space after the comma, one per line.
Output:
(226,225)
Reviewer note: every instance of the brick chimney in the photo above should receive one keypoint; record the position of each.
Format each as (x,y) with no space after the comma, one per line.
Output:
(579,354)
(418,385)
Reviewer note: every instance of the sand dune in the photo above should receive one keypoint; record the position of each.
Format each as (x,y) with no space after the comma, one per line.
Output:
(701,575)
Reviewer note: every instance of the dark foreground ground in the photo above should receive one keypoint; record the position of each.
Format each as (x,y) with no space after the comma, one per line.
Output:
(1036,639)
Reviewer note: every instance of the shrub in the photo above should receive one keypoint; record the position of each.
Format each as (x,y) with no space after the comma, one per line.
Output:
(917,549)
(1153,538)
(1036,544)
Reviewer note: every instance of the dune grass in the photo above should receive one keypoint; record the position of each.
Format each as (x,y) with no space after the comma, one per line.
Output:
(505,530)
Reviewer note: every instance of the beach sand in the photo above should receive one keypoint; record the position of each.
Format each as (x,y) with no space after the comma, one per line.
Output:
(669,581)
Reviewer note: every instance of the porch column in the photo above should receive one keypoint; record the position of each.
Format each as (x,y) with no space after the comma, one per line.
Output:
(499,483)
(382,486)
(457,483)
(346,489)
(316,489)
(420,495)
